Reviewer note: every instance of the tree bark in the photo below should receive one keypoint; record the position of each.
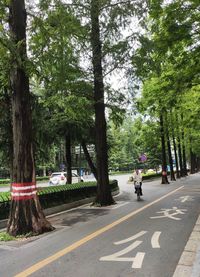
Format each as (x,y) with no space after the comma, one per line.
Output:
(170,157)
(192,162)
(175,148)
(26,215)
(104,196)
(176,158)
(179,148)
(68,157)
(164,159)
(198,163)
(88,159)
(184,154)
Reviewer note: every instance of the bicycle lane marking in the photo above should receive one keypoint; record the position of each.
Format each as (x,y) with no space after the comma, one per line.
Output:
(61,253)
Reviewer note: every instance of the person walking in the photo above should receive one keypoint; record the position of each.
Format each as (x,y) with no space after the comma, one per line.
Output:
(137,177)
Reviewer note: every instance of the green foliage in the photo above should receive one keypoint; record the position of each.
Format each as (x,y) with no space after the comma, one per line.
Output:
(6,237)
(132,139)
(168,65)
(62,93)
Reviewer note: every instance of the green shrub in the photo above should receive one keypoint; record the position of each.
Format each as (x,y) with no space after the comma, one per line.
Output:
(151,175)
(57,195)
(6,237)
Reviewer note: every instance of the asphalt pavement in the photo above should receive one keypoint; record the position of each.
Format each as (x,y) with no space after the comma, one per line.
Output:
(158,236)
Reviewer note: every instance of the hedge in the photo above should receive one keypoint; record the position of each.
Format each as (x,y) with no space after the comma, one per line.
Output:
(151,175)
(57,195)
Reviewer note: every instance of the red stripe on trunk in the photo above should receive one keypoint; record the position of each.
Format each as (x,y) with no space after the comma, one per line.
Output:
(19,198)
(23,191)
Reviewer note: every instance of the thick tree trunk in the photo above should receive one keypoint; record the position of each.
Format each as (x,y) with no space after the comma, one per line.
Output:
(8,127)
(164,159)
(26,215)
(88,159)
(104,196)
(68,158)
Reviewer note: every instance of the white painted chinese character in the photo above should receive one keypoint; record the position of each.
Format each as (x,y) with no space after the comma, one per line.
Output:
(138,259)
(166,213)
(185,198)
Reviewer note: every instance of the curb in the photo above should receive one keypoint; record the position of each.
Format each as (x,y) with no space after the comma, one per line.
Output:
(189,263)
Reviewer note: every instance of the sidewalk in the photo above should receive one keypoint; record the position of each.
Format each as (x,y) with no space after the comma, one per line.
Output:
(189,263)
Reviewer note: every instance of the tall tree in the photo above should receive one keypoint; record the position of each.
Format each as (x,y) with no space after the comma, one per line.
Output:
(104,196)
(25,213)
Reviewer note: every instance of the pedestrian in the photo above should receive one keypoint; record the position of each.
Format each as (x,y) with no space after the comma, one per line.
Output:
(137,177)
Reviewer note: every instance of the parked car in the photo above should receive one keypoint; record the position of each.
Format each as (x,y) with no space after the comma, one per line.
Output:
(60,178)
(76,178)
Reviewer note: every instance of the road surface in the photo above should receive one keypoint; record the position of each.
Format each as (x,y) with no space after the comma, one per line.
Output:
(141,239)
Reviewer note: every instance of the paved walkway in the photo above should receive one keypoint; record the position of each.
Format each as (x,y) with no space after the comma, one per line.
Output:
(189,263)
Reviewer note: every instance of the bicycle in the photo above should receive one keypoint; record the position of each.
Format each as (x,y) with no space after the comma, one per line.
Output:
(138,190)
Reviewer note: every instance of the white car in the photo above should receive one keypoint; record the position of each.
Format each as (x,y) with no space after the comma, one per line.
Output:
(60,178)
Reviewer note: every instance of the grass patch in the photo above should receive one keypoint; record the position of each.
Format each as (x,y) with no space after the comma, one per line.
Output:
(6,237)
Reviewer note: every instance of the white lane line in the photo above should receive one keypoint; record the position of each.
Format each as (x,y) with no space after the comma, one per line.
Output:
(138,260)
(155,240)
(131,238)
(116,256)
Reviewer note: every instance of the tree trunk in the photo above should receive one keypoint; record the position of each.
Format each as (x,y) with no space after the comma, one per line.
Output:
(8,127)
(68,158)
(25,213)
(192,162)
(175,148)
(170,157)
(176,157)
(184,154)
(180,157)
(104,196)
(164,159)
(198,163)
(88,159)
(179,148)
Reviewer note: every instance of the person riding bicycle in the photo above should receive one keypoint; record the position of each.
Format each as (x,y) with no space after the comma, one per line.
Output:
(137,177)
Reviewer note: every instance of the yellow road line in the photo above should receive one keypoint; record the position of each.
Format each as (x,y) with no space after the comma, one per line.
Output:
(77,244)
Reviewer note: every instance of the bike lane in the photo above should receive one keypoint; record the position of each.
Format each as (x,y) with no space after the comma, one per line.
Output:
(148,243)
(84,260)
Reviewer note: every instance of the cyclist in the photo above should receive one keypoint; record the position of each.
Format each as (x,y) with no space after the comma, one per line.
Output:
(137,177)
